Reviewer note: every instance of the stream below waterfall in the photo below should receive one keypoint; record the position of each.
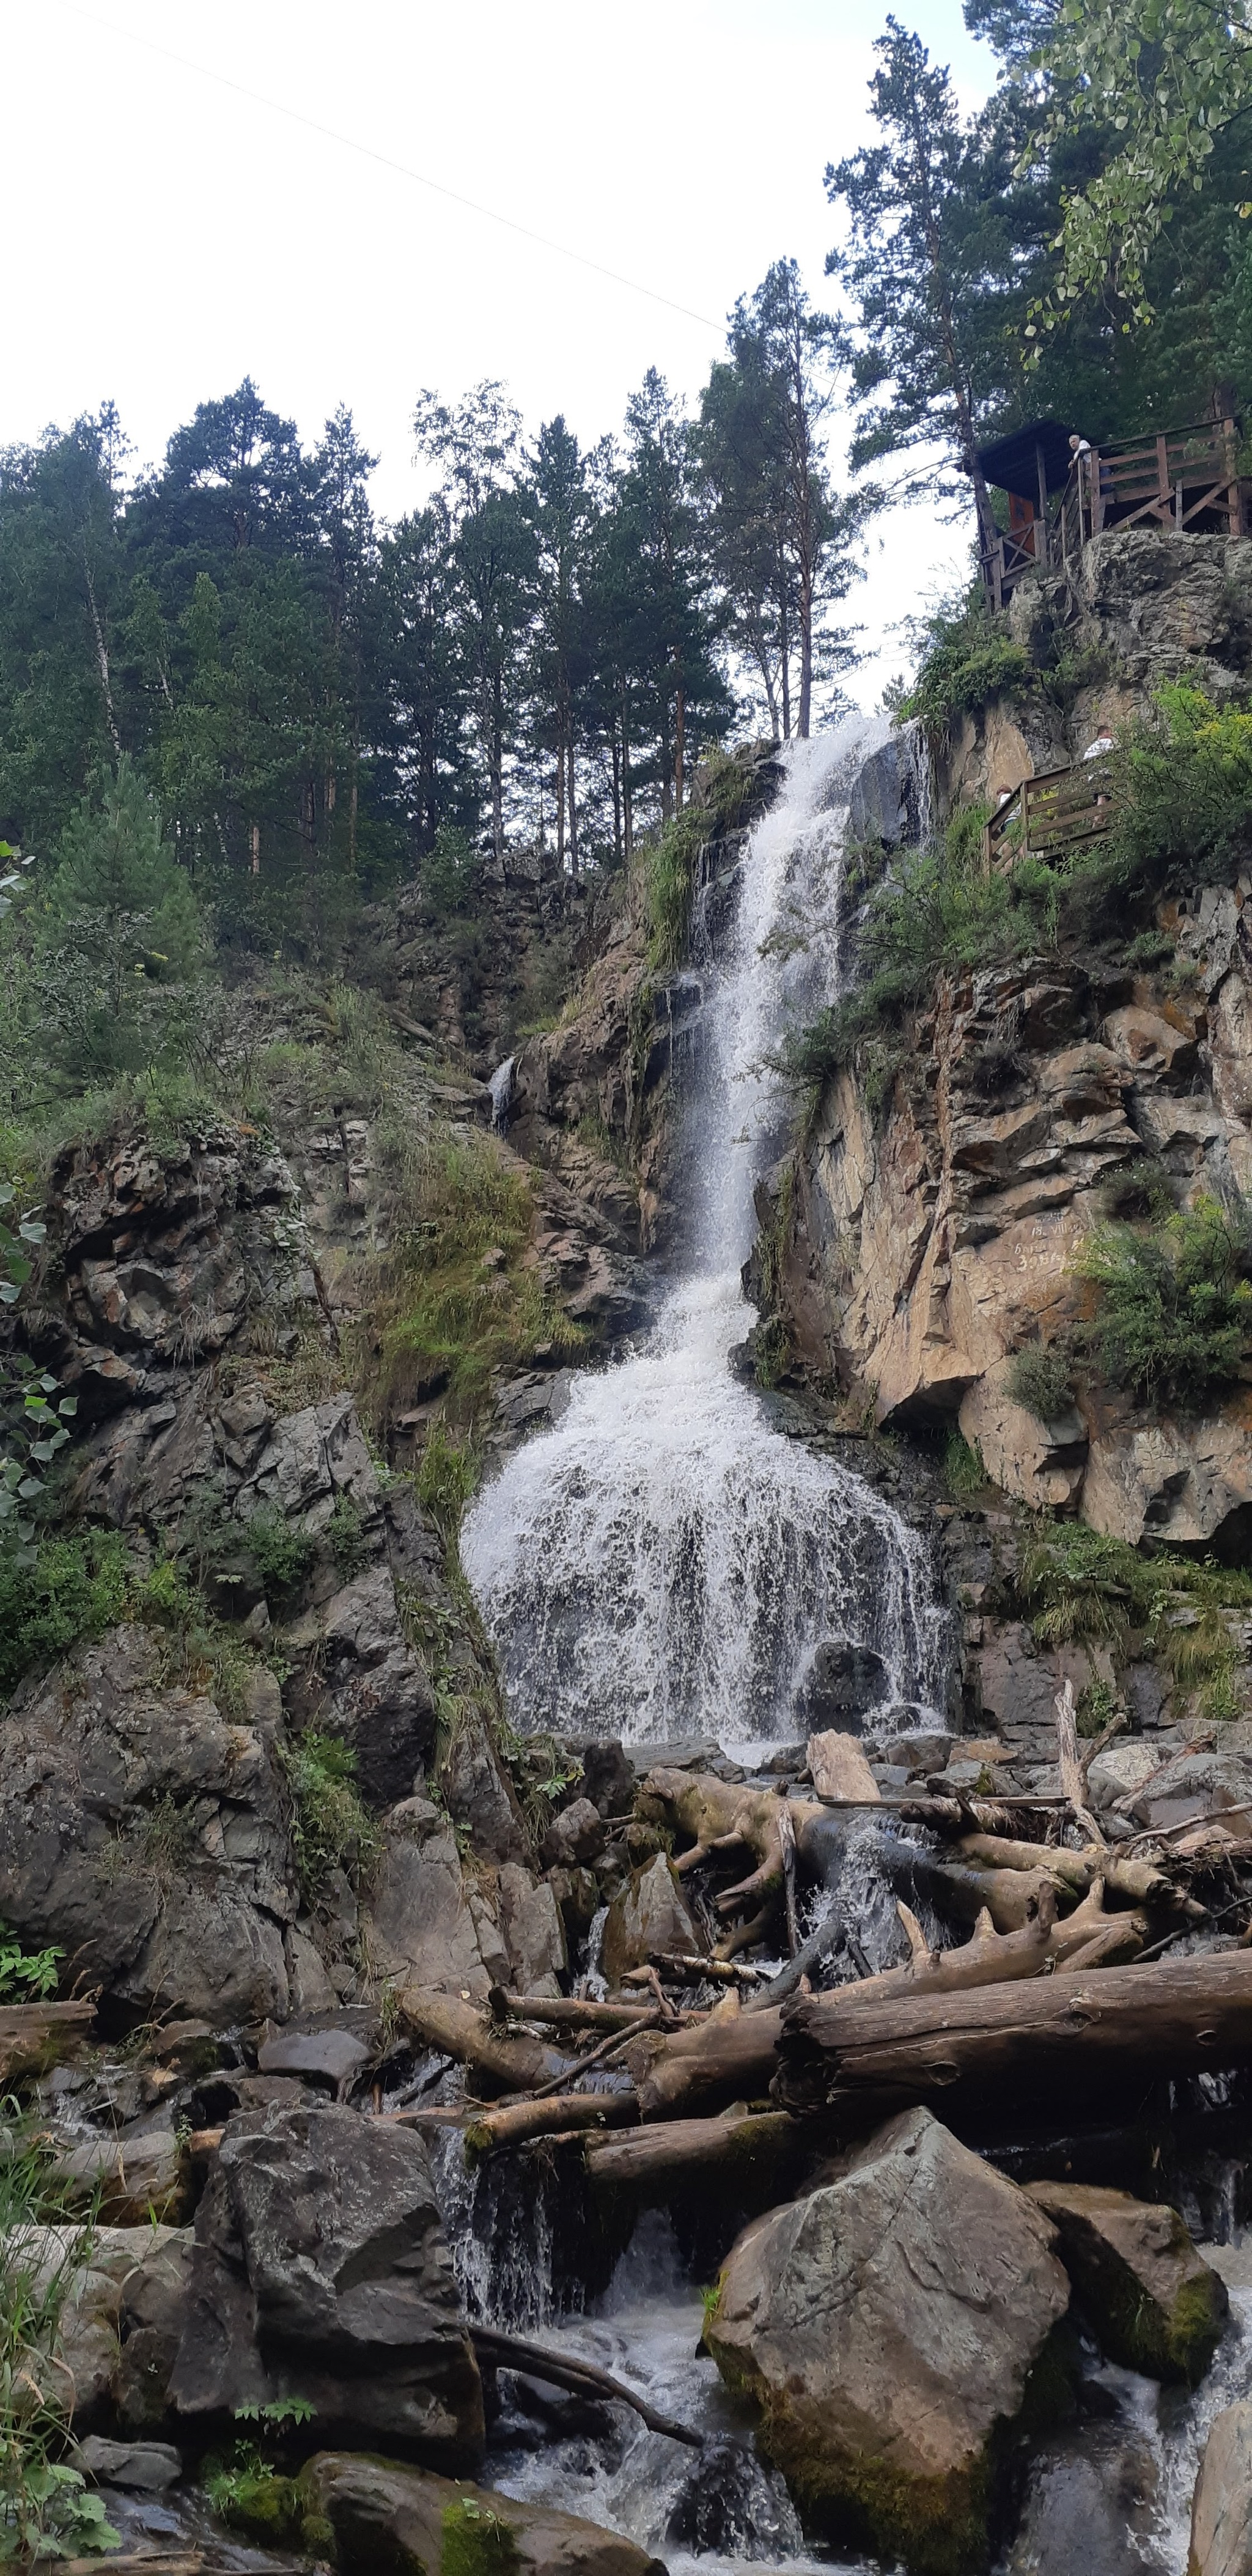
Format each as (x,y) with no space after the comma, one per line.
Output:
(664,1565)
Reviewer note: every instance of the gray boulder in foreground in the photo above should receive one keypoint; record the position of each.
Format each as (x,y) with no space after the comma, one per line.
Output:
(321,2272)
(1154,2302)
(887,2327)
(382,2515)
(1221,2513)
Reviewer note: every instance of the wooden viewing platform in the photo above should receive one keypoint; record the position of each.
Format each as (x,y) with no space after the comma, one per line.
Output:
(1051,815)
(1184,481)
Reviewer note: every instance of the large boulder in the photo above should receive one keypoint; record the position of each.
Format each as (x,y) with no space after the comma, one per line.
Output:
(647,1915)
(412,2524)
(1154,2303)
(143,1830)
(106,2277)
(321,2272)
(888,2327)
(429,1925)
(1221,2511)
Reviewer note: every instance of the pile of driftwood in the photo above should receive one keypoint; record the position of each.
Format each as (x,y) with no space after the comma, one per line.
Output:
(1066,1980)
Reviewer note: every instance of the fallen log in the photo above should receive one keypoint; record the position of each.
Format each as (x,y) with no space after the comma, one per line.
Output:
(567,2011)
(32,2034)
(769,2149)
(730,2056)
(569,2370)
(1137,1882)
(457,2029)
(723,1816)
(551,2116)
(1049,2032)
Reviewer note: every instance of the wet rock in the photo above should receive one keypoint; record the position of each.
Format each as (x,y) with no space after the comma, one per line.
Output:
(145,1832)
(131,2178)
(888,2325)
(153,2309)
(1221,2511)
(608,1779)
(1195,1785)
(839,1769)
(331,2056)
(365,1683)
(478,1792)
(150,2465)
(534,1934)
(1154,2304)
(427,1928)
(842,1684)
(1122,1770)
(321,2271)
(382,2514)
(647,1915)
(577,1894)
(1089,2507)
(923,1749)
(575,1835)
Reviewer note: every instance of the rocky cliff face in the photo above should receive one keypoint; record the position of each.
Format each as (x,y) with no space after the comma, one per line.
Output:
(937,1233)
(1140,608)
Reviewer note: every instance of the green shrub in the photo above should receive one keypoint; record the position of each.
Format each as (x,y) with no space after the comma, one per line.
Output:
(1175,1314)
(963,1469)
(282,1555)
(447,1474)
(63,1591)
(46,2509)
(966,660)
(1183,791)
(1076,1584)
(24,1973)
(331,1828)
(1039,1379)
(345,1537)
(456,1298)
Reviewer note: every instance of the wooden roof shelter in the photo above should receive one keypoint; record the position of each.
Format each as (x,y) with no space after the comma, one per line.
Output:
(1063,490)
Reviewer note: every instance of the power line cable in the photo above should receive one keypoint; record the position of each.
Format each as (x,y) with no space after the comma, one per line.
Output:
(400,169)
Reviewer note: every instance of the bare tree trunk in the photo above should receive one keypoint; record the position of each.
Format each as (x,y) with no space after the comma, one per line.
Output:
(573,810)
(102,660)
(680,743)
(617,798)
(628,815)
(254,845)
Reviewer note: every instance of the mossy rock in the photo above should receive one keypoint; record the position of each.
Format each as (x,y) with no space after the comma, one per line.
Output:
(476,2541)
(264,2507)
(1154,2304)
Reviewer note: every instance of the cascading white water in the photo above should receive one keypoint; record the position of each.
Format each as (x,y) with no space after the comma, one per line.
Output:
(664,1562)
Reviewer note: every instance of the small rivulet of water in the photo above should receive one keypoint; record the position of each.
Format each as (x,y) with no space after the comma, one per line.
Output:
(664,1562)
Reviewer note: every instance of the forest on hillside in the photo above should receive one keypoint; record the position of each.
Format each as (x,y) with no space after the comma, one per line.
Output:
(318,705)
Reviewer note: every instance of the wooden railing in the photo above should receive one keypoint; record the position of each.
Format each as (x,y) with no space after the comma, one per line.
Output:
(1168,482)
(1052,815)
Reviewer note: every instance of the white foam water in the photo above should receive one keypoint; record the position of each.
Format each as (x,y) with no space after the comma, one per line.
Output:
(664,1562)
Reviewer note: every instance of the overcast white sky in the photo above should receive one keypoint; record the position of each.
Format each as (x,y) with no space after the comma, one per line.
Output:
(168,236)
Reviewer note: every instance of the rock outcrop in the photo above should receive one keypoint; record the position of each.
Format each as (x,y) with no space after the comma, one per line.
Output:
(144,1831)
(321,2272)
(1155,2305)
(931,1242)
(887,2326)
(383,2514)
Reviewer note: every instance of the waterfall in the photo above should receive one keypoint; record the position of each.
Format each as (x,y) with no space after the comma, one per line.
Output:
(664,1562)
